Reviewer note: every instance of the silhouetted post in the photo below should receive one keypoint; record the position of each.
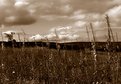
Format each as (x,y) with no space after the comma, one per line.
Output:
(110,47)
(88,33)
(1,63)
(94,51)
(110,33)
(19,38)
(94,41)
(57,38)
(35,43)
(2,44)
(24,36)
(47,42)
(116,36)
(108,24)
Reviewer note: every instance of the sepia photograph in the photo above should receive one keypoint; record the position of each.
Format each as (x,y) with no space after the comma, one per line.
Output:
(60,42)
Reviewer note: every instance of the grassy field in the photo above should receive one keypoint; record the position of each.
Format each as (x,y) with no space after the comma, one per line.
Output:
(50,66)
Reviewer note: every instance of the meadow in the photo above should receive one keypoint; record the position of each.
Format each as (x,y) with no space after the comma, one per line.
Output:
(40,65)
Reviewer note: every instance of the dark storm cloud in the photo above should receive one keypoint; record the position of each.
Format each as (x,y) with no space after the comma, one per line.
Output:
(24,11)
(19,17)
(15,13)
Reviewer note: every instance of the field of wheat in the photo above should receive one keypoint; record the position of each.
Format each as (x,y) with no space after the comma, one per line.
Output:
(50,66)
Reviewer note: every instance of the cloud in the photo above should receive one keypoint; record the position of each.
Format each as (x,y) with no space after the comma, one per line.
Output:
(116,2)
(62,37)
(80,24)
(51,36)
(16,13)
(72,15)
(12,31)
(66,8)
(21,4)
(68,37)
(58,9)
(9,32)
(60,28)
(52,17)
(14,34)
(6,3)
(37,37)
(66,33)
(99,6)
(115,11)
(51,9)
(115,15)
(86,16)
(81,13)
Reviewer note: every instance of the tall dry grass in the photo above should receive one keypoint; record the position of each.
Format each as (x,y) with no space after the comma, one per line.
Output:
(49,66)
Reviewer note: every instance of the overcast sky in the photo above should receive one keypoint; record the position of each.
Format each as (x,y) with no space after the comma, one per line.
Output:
(42,16)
